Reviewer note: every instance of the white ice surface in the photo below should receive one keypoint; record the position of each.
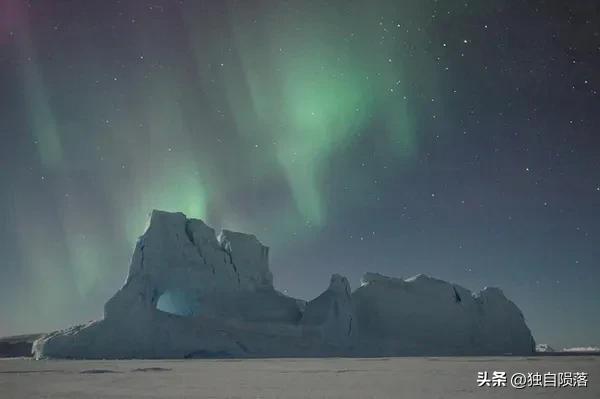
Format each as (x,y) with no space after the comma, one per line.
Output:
(332,378)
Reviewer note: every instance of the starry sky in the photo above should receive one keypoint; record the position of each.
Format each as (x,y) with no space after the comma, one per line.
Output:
(453,138)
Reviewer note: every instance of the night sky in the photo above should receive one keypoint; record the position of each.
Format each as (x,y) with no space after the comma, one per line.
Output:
(456,139)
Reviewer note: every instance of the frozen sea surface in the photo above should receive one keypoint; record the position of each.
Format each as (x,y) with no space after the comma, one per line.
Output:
(412,378)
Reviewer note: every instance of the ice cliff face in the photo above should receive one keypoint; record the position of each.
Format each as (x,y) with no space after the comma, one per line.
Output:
(423,315)
(193,293)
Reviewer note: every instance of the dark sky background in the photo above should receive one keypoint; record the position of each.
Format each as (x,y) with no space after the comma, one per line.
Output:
(455,139)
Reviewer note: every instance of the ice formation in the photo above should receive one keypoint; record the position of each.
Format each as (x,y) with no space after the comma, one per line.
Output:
(193,293)
(544,348)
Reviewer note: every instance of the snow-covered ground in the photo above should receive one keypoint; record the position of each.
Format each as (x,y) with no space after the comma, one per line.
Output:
(446,377)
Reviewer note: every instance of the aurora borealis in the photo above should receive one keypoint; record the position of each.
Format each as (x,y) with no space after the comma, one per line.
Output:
(456,139)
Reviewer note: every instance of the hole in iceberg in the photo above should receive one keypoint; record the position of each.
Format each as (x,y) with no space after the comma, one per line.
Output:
(178,302)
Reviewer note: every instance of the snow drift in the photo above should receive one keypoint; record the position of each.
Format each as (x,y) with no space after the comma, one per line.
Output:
(193,293)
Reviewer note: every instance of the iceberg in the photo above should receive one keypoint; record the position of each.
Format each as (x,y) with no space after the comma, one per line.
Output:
(191,292)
